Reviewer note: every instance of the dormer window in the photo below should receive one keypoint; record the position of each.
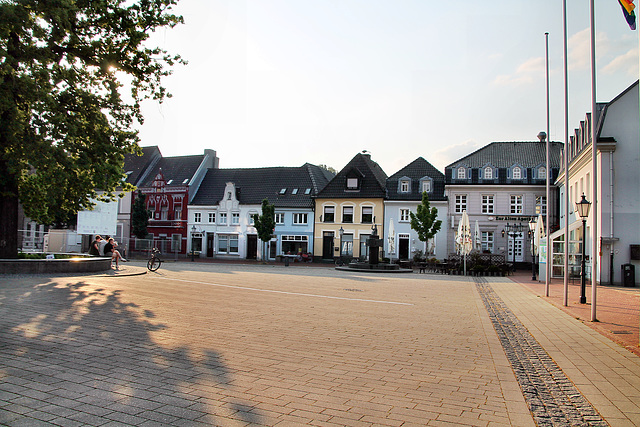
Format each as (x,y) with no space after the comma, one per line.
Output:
(352,183)
(404,186)
(426,186)
(516,172)
(488,173)
(462,172)
(542,172)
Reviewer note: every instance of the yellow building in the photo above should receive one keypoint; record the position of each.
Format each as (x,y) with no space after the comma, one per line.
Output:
(348,209)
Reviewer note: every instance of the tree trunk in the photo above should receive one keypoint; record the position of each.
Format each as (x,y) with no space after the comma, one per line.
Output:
(8,217)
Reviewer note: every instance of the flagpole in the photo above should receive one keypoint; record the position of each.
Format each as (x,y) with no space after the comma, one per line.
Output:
(547,279)
(594,157)
(566,162)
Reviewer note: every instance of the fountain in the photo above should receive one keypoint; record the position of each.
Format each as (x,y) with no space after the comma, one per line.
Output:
(374,243)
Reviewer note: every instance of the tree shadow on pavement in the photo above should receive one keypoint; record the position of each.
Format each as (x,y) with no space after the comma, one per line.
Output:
(71,353)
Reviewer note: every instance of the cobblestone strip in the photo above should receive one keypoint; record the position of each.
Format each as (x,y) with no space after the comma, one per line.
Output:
(551,397)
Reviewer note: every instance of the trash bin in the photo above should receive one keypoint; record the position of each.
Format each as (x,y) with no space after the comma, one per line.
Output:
(628,275)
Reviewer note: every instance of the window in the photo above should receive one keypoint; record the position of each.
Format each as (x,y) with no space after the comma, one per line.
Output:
(461,203)
(176,242)
(352,183)
(367,215)
(295,191)
(541,205)
(177,212)
(299,218)
(329,214)
(212,217)
(486,240)
(426,186)
(222,218)
(516,173)
(284,190)
(197,217)
(404,215)
(488,173)
(404,186)
(165,213)
(295,244)
(346,245)
(542,172)
(347,214)
(235,218)
(279,218)
(307,191)
(227,244)
(516,204)
(462,173)
(487,204)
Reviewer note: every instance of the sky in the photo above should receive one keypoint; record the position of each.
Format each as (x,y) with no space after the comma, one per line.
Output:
(285,82)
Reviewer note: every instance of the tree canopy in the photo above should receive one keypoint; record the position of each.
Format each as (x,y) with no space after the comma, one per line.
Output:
(140,216)
(425,221)
(73,75)
(265,223)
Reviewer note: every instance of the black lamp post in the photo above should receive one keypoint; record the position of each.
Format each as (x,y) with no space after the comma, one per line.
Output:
(532,234)
(513,230)
(583,207)
(341,231)
(193,252)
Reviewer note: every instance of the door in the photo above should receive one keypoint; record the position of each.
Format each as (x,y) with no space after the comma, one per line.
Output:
(327,245)
(515,253)
(252,246)
(210,239)
(403,247)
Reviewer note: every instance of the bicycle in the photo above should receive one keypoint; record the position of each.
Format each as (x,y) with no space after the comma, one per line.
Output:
(155,262)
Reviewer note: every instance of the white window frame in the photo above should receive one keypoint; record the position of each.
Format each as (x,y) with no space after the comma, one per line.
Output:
(487,241)
(462,172)
(345,214)
(362,212)
(404,215)
(488,205)
(426,186)
(488,173)
(404,186)
(516,204)
(541,205)
(197,217)
(542,172)
(235,218)
(329,210)
(352,183)
(279,218)
(222,218)
(212,217)
(460,203)
(300,218)
(516,172)
(228,238)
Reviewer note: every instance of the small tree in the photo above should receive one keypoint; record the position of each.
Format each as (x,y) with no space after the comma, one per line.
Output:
(140,216)
(265,224)
(425,221)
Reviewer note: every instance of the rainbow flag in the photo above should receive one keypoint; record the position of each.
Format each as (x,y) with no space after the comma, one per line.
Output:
(627,10)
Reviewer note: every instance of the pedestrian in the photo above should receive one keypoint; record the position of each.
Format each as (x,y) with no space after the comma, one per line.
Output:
(95,246)
(103,242)
(111,251)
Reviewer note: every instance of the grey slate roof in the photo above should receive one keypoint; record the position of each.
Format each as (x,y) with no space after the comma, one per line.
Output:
(416,170)
(503,155)
(256,184)
(138,165)
(373,180)
(175,170)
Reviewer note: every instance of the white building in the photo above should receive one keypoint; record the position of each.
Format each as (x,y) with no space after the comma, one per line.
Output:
(617,194)
(404,194)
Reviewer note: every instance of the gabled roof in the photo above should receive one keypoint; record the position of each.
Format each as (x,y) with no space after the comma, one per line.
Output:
(372,185)
(177,171)
(257,184)
(506,154)
(415,171)
(136,166)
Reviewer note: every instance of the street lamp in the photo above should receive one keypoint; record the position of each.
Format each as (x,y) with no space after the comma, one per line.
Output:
(193,252)
(532,234)
(513,231)
(583,207)
(341,231)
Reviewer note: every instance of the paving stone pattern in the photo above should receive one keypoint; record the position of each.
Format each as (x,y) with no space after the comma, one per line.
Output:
(552,398)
